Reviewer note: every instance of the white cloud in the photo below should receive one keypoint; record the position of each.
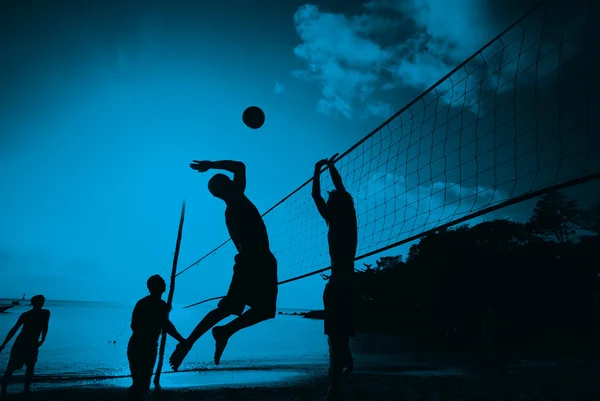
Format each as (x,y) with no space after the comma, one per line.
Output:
(405,43)
(392,209)
(279,87)
(378,109)
(339,58)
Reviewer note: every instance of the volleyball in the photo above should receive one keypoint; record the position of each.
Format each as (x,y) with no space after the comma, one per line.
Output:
(253,117)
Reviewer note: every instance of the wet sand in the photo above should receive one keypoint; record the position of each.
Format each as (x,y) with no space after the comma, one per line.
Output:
(575,380)
(537,384)
(407,373)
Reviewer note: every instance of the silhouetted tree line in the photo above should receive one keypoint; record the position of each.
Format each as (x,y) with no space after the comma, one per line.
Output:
(499,281)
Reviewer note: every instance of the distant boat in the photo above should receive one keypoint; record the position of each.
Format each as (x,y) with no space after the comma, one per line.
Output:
(17,303)
(4,308)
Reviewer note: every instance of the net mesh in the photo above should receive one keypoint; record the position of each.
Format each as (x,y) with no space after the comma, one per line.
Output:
(513,119)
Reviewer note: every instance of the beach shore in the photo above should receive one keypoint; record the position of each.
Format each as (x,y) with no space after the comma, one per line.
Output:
(387,368)
(567,380)
(539,386)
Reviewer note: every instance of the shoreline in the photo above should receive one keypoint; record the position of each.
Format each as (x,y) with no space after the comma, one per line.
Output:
(373,353)
(387,368)
(531,383)
(317,314)
(381,374)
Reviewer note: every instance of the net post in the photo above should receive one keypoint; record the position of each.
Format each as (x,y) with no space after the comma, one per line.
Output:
(163,341)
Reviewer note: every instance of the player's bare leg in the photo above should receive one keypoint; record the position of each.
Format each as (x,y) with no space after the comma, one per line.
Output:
(221,338)
(222,334)
(182,349)
(6,378)
(28,377)
(348,359)
(338,359)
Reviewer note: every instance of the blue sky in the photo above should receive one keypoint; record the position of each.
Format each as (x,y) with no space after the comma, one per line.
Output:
(104,104)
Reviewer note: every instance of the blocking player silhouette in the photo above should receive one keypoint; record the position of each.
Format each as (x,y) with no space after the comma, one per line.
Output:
(339,296)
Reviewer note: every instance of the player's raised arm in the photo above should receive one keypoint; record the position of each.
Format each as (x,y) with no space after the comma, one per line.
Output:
(316,189)
(335,175)
(237,168)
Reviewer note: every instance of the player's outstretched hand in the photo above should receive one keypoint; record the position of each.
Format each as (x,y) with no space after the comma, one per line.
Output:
(200,166)
(331,159)
(325,162)
(319,165)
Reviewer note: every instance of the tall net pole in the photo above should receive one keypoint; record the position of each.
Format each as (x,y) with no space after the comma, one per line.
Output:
(163,341)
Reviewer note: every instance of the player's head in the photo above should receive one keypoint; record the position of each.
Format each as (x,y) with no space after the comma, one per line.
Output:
(37,301)
(339,204)
(156,285)
(221,186)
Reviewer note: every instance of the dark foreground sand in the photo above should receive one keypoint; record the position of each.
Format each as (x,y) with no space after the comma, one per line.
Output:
(575,382)
(391,369)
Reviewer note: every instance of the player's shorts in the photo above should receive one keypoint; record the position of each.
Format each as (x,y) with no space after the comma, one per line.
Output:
(339,301)
(254,283)
(23,355)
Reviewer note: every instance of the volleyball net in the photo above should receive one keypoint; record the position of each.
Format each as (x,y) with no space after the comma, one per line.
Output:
(510,123)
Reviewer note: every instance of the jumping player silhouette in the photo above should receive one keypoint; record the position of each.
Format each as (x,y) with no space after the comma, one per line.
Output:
(25,349)
(254,281)
(339,295)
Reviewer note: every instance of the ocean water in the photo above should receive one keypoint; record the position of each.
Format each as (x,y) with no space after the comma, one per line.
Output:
(79,348)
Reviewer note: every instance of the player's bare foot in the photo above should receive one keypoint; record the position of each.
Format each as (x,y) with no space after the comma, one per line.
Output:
(347,371)
(221,337)
(181,351)
(348,364)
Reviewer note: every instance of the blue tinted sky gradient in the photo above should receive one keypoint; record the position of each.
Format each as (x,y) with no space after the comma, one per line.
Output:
(103,104)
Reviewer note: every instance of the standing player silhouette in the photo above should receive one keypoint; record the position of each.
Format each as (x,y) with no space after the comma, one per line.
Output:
(339,295)
(254,281)
(150,316)
(25,348)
